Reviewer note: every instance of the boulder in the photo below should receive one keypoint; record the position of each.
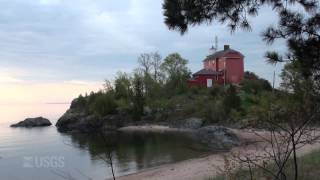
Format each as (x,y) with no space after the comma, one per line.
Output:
(78,121)
(218,137)
(33,122)
(190,123)
(83,122)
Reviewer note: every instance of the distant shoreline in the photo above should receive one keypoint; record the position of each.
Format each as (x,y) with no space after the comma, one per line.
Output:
(57,103)
(152,128)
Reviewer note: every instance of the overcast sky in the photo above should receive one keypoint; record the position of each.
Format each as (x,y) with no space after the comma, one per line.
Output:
(71,46)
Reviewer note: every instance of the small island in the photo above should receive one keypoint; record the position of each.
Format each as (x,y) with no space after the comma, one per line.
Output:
(33,122)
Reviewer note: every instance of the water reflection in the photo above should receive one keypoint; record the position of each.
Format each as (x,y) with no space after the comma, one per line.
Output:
(139,150)
(81,153)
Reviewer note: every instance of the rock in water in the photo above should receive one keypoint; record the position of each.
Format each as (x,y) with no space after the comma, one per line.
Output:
(33,122)
(218,137)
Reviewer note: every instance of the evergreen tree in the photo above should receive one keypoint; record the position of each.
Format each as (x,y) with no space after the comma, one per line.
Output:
(301,29)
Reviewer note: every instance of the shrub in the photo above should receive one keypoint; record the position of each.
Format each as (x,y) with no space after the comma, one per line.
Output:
(235,115)
(123,105)
(216,91)
(231,99)
(104,104)
(214,112)
(253,84)
(79,103)
(158,105)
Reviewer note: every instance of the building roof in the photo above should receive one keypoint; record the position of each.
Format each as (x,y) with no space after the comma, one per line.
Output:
(208,72)
(222,53)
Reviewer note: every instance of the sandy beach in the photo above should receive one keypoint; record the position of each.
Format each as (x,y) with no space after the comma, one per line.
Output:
(152,128)
(202,168)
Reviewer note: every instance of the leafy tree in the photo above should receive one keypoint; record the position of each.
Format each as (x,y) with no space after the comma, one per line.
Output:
(253,84)
(177,72)
(79,103)
(149,67)
(138,97)
(156,65)
(122,85)
(104,104)
(145,63)
(174,64)
(153,89)
(107,86)
(250,75)
(293,80)
(92,97)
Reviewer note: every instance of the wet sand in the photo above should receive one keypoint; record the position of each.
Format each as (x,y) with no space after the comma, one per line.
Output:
(209,166)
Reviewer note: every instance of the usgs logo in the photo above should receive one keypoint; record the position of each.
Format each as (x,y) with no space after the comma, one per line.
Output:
(43,162)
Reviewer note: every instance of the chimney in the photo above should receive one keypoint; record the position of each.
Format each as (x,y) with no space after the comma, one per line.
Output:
(226,47)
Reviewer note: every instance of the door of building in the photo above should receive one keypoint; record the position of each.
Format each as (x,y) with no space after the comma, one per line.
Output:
(209,82)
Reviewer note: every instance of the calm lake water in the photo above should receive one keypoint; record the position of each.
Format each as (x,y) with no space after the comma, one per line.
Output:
(45,153)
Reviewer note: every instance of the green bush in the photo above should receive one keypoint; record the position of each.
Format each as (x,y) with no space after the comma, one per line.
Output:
(79,103)
(104,104)
(214,112)
(216,91)
(123,105)
(158,105)
(253,84)
(235,116)
(231,99)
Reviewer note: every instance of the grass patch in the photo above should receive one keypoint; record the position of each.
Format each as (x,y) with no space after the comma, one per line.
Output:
(308,170)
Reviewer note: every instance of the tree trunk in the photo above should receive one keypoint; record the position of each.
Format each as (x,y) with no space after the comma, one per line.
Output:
(294,158)
(111,164)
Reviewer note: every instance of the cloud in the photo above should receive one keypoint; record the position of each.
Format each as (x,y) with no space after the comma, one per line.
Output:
(14,89)
(8,79)
(50,2)
(79,82)
(42,92)
(81,41)
(11,75)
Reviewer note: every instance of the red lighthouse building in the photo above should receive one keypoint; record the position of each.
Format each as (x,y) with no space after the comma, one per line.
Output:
(221,67)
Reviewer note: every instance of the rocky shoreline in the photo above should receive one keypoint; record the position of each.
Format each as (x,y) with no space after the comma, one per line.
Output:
(83,122)
(217,137)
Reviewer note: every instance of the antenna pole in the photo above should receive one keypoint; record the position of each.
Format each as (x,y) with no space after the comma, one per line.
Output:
(216,42)
(274,79)
(224,83)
